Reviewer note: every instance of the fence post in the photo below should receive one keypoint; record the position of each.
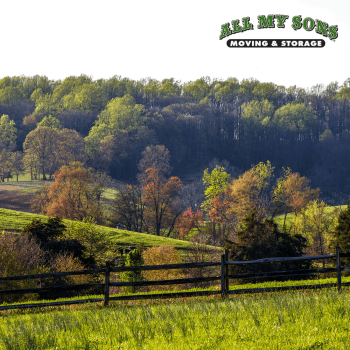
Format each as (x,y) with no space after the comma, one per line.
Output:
(338,270)
(227,281)
(223,284)
(107,284)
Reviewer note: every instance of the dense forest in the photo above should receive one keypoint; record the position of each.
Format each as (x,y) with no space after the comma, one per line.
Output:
(107,124)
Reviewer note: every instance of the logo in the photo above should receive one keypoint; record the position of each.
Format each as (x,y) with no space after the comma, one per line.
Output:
(271,21)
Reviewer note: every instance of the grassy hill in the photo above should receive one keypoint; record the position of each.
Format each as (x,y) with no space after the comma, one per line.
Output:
(16,220)
(15,213)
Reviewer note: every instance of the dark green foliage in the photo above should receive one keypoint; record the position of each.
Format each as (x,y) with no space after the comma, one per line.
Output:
(258,240)
(48,236)
(134,258)
(45,232)
(341,235)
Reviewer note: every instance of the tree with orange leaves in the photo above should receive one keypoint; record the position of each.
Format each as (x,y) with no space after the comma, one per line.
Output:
(160,200)
(75,194)
(187,221)
(292,193)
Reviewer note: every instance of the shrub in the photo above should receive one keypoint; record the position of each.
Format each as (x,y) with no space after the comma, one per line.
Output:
(19,255)
(52,237)
(66,262)
(198,252)
(97,248)
(134,258)
(162,255)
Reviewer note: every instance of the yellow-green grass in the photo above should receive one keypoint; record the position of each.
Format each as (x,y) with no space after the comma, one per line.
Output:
(109,193)
(269,321)
(22,177)
(16,220)
(279,219)
(27,185)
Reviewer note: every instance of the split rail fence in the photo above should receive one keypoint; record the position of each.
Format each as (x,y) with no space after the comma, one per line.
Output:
(224,278)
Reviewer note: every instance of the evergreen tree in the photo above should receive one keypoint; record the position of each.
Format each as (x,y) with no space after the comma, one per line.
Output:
(259,240)
(341,235)
(45,232)
(50,236)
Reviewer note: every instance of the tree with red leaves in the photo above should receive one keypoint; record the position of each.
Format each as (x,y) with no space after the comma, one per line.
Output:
(188,221)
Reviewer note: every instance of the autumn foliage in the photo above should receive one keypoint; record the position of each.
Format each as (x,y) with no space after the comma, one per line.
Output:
(188,221)
(297,192)
(162,255)
(75,194)
(160,201)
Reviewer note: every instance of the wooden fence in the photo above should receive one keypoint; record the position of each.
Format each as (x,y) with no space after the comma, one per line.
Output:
(224,278)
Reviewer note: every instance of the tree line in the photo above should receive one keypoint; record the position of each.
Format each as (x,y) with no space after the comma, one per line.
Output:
(244,122)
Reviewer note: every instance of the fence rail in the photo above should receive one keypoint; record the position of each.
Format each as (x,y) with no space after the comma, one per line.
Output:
(224,277)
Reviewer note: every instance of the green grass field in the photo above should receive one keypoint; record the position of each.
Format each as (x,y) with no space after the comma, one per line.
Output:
(279,219)
(21,177)
(269,321)
(15,220)
(27,185)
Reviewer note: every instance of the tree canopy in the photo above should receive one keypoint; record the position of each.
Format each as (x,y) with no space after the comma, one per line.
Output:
(75,194)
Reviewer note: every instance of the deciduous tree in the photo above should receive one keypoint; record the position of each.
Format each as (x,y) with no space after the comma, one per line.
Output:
(8,133)
(5,164)
(47,149)
(315,222)
(160,199)
(129,209)
(75,194)
(249,192)
(119,114)
(188,221)
(292,193)
(41,144)
(97,247)
(51,122)
(162,255)
(134,258)
(340,236)
(261,239)
(216,184)
(17,163)
(156,157)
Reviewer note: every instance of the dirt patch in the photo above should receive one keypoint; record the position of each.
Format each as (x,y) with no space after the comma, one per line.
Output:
(9,187)
(15,200)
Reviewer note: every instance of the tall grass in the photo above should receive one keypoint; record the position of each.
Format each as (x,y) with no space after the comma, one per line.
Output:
(271,321)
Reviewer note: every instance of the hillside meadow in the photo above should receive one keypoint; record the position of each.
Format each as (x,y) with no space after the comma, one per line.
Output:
(15,220)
